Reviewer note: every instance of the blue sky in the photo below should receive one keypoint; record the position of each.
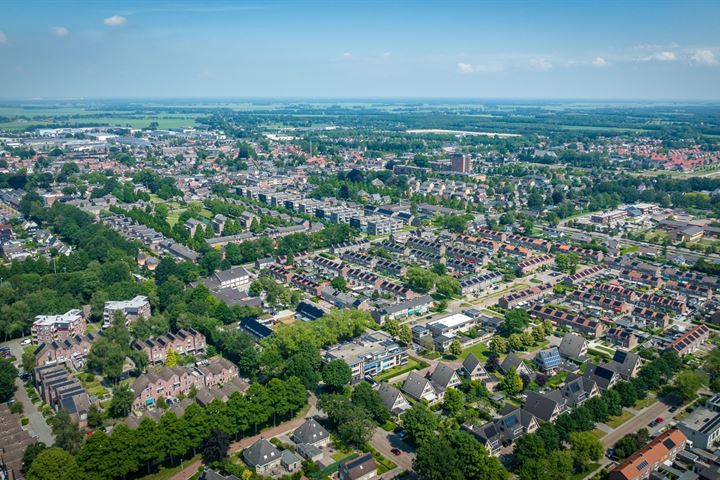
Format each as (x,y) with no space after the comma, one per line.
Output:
(632,49)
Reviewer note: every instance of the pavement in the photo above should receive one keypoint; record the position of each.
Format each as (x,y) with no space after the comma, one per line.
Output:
(384,442)
(643,417)
(38,426)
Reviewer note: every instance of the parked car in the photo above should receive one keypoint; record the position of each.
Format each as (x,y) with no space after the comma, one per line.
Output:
(396,452)
(27,341)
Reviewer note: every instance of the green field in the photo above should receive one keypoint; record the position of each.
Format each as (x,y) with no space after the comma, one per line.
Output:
(615,422)
(480,350)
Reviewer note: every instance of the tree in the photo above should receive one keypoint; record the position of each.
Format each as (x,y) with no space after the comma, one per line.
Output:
(31,452)
(121,401)
(516,342)
(586,447)
(453,402)
(567,262)
(54,464)
(336,374)
(172,358)
(28,360)
(688,382)
(437,460)
(498,345)
(512,383)
(457,455)
(363,395)
(94,416)
(420,423)
(67,433)
(215,447)
(339,283)
(8,374)
(405,334)
(420,280)
(515,322)
(448,286)
(455,348)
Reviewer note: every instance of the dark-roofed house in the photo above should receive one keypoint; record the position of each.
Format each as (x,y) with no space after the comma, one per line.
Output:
(573,347)
(262,456)
(308,310)
(544,406)
(255,328)
(421,388)
(473,369)
(360,468)
(513,361)
(393,399)
(445,376)
(624,363)
(512,424)
(577,389)
(311,433)
(602,376)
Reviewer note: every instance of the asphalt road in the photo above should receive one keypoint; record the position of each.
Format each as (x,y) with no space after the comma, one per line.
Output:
(38,425)
(657,409)
(384,442)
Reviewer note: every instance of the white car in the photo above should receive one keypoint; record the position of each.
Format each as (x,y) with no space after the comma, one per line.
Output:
(27,341)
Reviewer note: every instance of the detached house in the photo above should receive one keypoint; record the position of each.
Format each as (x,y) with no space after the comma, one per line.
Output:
(311,433)
(262,456)
(421,388)
(473,369)
(445,376)
(573,347)
(393,399)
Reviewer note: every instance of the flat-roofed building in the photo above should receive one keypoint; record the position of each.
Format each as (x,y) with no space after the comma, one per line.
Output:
(131,310)
(55,328)
(369,354)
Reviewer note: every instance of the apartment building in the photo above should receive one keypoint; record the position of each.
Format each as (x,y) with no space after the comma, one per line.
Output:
(131,310)
(56,328)
(369,354)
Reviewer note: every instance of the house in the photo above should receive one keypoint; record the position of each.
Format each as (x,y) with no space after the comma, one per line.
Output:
(548,360)
(262,456)
(234,278)
(421,388)
(445,376)
(393,399)
(622,337)
(624,363)
(309,452)
(513,361)
(545,407)
(184,342)
(702,428)
(573,347)
(414,306)
(473,369)
(602,376)
(577,389)
(360,468)
(311,433)
(513,423)
(640,464)
(690,341)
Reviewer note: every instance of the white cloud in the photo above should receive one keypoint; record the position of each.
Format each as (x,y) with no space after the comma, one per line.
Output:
(347,55)
(60,31)
(467,68)
(540,64)
(115,21)
(600,62)
(660,57)
(387,54)
(3,38)
(704,57)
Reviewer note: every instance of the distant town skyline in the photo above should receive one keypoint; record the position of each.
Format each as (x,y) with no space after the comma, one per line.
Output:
(660,50)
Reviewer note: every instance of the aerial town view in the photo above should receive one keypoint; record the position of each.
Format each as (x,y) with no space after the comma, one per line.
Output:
(360,240)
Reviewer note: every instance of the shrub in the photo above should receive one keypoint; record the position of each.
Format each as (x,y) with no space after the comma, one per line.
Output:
(24,421)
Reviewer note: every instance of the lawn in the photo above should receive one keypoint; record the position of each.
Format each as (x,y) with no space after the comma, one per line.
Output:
(400,369)
(644,403)
(480,350)
(615,422)
(591,468)
(597,433)
(167,473)
(384,464)
(557,379)
(389,426)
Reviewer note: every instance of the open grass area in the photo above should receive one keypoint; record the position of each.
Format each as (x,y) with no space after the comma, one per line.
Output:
(645,402)
(167,473)
(399,370)
(597,433)
(384,464)
(389,426)
(591,468)
(615,422)
(480,350)
(557,379)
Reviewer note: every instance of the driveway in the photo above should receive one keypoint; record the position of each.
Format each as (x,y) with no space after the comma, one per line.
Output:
(38,426)
(657,409)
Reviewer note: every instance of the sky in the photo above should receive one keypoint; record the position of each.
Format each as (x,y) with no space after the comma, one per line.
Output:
(514,49)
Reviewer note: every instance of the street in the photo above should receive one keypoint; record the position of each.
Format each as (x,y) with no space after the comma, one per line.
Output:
(38,426)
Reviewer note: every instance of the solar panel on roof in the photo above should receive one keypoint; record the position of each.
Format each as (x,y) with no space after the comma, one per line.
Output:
(669,444)
(642,465)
